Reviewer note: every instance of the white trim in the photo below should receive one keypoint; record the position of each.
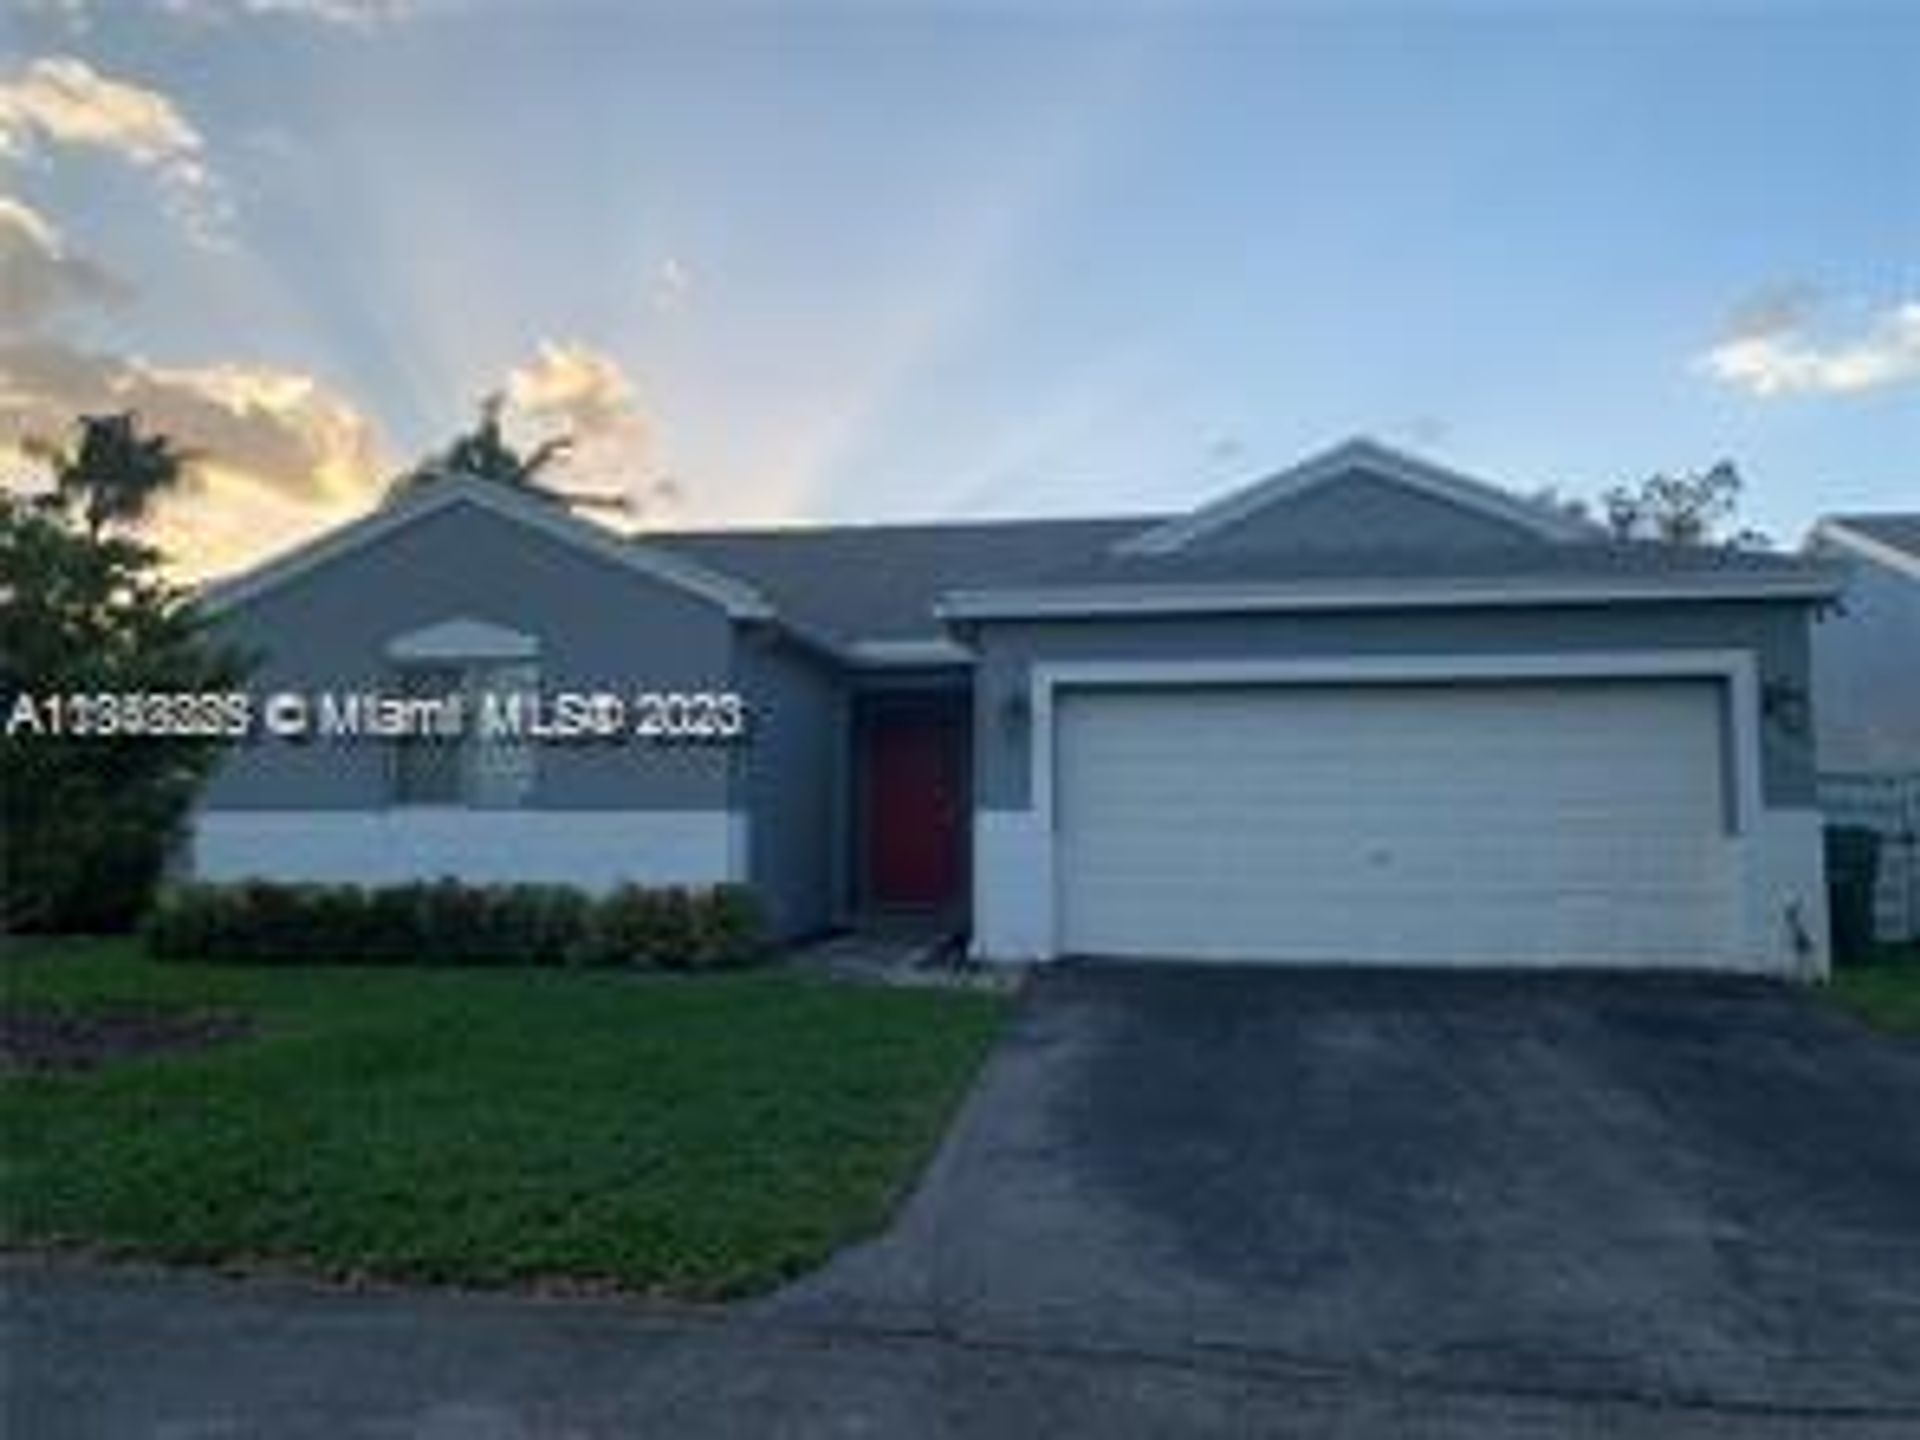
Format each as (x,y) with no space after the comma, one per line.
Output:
(1015,896)
(463,638)
(594,849)
(1867,547)
(1384,594)
(1374,459)
(907,653)
(740,601)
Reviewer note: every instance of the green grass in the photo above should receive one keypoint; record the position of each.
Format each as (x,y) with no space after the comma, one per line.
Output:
(693,1136)
(1885,993)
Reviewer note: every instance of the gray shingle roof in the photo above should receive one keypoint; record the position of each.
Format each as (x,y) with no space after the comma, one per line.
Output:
(1597,560)
(1900,530)
(880,582)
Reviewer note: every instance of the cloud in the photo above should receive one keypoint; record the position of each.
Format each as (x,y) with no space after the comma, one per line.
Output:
(568,388)
(284,430)
(278,454)
(63,101)
(669,286)
(1771,348)
(575,385)
(40,276)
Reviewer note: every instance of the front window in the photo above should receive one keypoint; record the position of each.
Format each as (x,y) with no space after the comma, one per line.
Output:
(466,766)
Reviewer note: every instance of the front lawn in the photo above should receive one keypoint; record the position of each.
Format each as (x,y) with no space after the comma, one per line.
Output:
(697,1136)
(1886,993)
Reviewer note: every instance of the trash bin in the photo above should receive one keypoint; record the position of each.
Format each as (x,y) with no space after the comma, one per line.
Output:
(1853,866)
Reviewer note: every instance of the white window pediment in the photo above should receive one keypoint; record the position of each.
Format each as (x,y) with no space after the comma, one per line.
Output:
(463,638)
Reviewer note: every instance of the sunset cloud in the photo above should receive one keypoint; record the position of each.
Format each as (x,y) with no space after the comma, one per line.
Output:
(1772,348)
(40,275)
(278,454)
(63,102)
(283,430)
(568,388)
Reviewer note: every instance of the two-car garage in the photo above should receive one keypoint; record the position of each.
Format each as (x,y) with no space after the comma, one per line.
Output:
(1502,821)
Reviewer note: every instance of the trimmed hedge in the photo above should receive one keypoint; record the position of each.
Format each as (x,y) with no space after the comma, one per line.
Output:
(445,922)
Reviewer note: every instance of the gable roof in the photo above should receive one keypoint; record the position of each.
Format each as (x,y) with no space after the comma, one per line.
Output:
(1889,538)
(881,594)
(876,585)
(735,596)
(1369,457)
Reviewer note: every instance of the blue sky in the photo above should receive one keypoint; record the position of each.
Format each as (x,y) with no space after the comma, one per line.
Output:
(855,261)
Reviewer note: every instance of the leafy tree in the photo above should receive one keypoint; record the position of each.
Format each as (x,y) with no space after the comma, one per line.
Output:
(86,821)
(485,453)
(1696,509)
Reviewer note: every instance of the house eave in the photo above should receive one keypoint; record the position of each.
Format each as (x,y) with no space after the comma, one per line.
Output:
(1126,600)
(908,654)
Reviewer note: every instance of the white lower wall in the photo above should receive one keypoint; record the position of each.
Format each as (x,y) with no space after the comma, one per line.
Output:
(594,849)
(1784,873)
(1012,886)
(1779,887)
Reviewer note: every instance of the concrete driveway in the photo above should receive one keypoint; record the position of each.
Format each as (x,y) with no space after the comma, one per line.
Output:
(1199,1201)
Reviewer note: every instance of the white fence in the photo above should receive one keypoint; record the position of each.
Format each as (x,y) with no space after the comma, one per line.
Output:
(1887,802)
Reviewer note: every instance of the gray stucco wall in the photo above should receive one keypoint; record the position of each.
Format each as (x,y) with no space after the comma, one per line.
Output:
(1360,511)
(1775,633)
(794,783)
(599,626)
(1866,674)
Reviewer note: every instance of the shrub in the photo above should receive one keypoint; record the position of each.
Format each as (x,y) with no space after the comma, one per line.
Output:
(185,921)
(730,929)
(630,927)
(448,922)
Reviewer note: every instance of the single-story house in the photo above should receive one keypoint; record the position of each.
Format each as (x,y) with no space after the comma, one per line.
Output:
(1866,687)
(1367,710)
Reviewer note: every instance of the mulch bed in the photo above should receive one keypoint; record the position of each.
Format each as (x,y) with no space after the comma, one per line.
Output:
(42,1040)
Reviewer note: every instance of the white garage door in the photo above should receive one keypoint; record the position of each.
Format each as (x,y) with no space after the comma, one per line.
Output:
(1579,823)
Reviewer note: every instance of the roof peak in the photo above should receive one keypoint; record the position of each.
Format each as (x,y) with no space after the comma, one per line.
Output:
(1363,453)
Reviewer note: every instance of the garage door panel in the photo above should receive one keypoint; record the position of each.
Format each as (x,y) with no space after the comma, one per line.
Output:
(1406,823)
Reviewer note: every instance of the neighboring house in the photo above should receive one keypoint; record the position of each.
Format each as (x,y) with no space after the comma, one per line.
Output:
(1866,682)
(1367,710)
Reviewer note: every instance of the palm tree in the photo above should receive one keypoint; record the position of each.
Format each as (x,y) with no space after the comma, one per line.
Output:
(484,452)
(112,471)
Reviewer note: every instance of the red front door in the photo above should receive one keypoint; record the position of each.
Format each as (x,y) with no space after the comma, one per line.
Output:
(914,805)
